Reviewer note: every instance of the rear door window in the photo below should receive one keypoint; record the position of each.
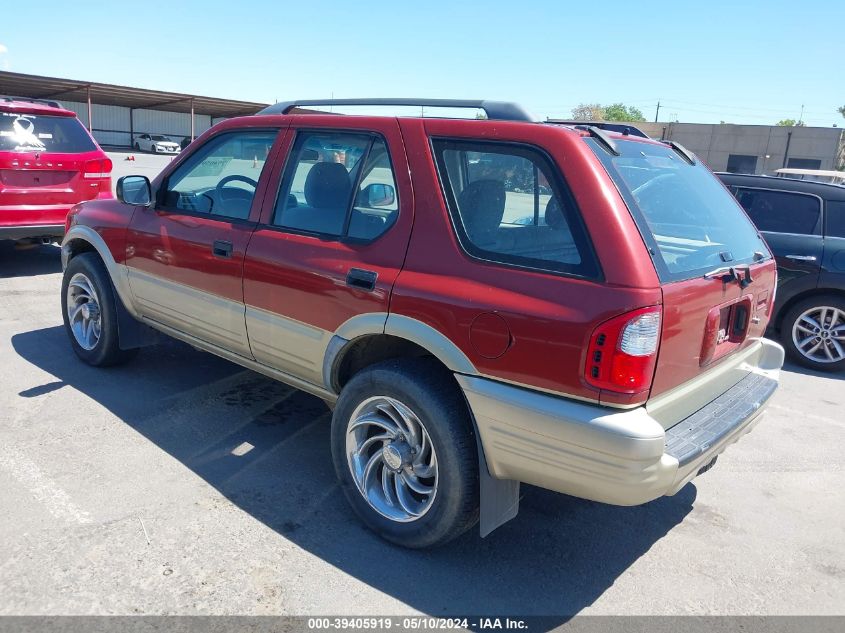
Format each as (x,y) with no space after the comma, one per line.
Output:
(38,133)
(835,218)
(691,223)
(509,206)
(781,211)
(338,184)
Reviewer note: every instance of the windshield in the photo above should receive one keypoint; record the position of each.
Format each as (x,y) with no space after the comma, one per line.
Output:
(691,223)
(36,133)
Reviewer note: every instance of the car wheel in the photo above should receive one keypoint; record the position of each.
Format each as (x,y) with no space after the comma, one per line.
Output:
(137,147)
(90,314)
(405,453)
(813,332)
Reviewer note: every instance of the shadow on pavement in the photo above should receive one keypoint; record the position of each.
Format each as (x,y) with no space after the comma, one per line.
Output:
(39,259)
(798,369)
(556,558)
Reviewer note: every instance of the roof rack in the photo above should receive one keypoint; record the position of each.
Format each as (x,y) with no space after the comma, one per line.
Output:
(680,149)
(623,128)
(497,110)
(49,102)
(601,136)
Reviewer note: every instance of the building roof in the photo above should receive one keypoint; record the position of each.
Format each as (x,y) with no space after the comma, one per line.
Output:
(38,87)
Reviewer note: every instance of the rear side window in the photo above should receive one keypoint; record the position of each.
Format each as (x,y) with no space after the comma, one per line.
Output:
(37,133)
(691,223)
(509,205)
(781,211)
(835,218)
(338,184)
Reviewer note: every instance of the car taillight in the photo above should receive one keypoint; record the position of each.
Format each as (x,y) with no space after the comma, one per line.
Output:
(100,168)
(623,351)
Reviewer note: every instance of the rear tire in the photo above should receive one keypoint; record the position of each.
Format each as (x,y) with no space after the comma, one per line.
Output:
(90,313)
(813,333)
(408,413)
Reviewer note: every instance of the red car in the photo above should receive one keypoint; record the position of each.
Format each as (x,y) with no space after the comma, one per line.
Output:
(48,163)
(482,302)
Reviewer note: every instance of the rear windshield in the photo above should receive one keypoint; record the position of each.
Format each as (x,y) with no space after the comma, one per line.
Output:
(690,222)
(37,133)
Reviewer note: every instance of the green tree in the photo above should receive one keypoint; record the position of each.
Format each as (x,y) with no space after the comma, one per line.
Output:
(841,111)
(621,112)
(790,123)
(588,112)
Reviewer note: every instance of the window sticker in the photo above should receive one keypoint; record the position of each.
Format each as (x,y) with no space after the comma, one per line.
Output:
(24,136)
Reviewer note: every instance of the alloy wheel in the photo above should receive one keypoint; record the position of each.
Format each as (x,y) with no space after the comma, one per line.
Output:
(83,311)
(819,334)
(392,459)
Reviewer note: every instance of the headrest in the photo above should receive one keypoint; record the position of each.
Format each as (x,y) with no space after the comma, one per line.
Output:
(327,186)
(482,207)
(554,215)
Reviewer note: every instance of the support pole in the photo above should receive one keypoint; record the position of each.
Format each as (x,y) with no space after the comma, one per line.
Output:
(90,122)
(132,128)
(192,120)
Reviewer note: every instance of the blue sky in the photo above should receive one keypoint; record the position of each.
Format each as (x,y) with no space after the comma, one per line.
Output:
(741,62)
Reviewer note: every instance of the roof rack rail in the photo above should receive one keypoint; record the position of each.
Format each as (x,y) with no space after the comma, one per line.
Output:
(602,137)
(623,128)
(49,102)
(683,151)
(497,110)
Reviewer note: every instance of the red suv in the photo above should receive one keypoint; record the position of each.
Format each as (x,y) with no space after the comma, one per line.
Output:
(482,302)
(48,163)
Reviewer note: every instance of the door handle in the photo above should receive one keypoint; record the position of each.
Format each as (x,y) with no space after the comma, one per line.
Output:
(222,248)
(363,279)
(802,258)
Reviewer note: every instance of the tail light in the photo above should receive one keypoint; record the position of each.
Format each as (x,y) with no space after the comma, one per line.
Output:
(100,168)
(623,351)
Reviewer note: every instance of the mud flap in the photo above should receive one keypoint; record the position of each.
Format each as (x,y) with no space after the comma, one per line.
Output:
(131,333)
(499,497)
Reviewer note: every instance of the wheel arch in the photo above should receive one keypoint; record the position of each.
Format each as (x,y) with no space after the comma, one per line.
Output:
(371,338)
(801,296)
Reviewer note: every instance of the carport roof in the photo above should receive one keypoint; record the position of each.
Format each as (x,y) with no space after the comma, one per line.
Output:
(38,87)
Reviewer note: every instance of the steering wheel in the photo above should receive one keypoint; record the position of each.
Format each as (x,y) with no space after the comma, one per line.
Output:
(240,193)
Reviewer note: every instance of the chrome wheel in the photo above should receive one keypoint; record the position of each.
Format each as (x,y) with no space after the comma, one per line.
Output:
(819,334)
(391,458)
(83,311)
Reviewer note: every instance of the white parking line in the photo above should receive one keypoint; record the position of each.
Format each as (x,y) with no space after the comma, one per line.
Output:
(803,414)
(52,497)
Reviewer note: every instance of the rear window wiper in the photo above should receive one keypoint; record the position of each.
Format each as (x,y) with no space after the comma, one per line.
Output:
(732,273)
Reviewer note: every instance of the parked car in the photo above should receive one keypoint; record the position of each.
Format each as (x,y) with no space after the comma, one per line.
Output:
(804,224)
(48,163)
(610,351)
(157,144)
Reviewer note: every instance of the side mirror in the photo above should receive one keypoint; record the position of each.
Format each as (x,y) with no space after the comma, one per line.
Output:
(379,195)
(134,190)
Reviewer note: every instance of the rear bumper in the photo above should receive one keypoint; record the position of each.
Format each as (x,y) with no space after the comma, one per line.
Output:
(38,230)
(618,457)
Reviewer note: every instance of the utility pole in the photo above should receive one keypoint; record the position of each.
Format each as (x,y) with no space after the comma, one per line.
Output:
(801,116)
(656,112)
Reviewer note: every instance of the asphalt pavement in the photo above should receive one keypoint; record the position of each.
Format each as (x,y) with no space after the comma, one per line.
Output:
(183,484)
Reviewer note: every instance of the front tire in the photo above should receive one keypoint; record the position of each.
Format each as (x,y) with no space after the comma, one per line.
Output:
(813,333)
(90,314)
(405,454)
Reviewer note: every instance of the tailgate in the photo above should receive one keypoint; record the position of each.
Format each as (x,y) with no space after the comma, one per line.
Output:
(27,180)
(711,339)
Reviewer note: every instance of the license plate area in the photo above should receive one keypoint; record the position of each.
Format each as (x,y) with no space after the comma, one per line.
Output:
(726,329)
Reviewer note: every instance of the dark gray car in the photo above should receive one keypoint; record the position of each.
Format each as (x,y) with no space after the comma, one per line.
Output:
(804,225)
